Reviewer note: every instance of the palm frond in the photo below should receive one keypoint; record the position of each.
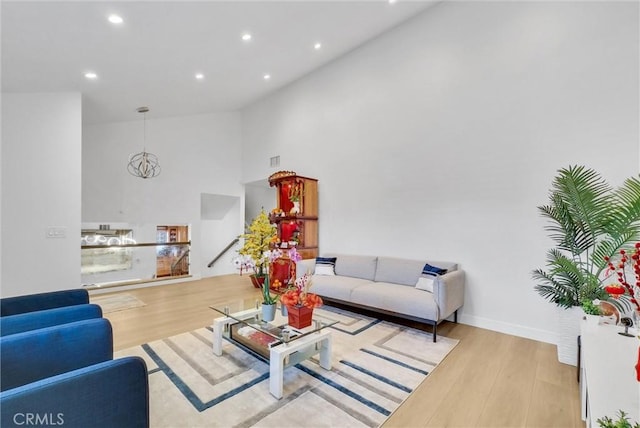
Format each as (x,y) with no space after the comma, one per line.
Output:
(587,198)
(626,215)
(551,290)
(563,280)
(610,246)
(589,220)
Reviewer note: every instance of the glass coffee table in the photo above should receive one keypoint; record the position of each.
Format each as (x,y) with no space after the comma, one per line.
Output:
(275,341)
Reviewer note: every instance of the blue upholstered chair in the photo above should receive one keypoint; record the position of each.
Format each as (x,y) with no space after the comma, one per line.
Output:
(111,394)
(38,354)
(41,301)
(20,323)
(65,375)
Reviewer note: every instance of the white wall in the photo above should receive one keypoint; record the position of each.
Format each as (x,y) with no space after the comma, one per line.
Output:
(258,196)
(41,141)
(439,139)
(198,154)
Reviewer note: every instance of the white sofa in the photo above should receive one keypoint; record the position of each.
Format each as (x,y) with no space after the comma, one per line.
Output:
(388,285)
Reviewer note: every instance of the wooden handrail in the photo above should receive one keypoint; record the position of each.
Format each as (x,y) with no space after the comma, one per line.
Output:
(144,244)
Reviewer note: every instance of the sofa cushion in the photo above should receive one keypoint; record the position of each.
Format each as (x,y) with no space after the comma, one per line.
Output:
(336,287)
(38,354)
(398,271)
(35,320)
(391,297)
(355,266)
(325,266)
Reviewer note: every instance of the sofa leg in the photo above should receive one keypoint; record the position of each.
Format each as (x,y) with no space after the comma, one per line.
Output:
(435,332)
(455,317)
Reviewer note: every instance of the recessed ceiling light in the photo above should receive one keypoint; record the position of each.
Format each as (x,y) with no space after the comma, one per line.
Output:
(246,37)
(317,46)
(392,1)
(199,76)
(115,19)
(91,75)
(266,77)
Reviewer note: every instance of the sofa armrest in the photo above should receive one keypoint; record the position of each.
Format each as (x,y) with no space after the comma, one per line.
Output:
(38,302)
(114,393)
(448,292)
(38,354)
(21,323)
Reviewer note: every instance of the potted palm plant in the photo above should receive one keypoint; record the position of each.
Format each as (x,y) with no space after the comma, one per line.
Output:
(590,221)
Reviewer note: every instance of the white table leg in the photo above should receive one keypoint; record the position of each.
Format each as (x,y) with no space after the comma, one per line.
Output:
(276,374)
(218,327)
(325,353)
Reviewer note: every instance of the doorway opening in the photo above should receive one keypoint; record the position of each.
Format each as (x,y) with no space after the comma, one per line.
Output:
(172,259)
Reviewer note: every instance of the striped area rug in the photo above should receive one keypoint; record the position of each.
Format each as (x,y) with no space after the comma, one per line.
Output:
(376,366)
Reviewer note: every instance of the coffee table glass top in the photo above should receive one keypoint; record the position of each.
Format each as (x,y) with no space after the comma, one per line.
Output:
(248,315)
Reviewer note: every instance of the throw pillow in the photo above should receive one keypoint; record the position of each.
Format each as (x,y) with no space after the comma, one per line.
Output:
(432,270)
(429,275)
(325,266)
(425,283)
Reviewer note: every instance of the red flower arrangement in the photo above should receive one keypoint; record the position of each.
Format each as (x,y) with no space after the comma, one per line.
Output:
(299,294)
(618,290)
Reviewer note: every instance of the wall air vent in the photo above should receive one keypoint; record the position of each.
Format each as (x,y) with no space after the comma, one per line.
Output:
(275,161)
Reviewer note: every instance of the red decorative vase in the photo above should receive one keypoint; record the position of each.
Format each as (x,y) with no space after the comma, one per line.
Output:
(299,316)
(257,281)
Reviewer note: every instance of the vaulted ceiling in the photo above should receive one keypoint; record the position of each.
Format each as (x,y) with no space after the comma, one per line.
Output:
(153,56)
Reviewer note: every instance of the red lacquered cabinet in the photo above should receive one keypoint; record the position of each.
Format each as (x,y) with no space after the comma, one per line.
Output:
(296,217)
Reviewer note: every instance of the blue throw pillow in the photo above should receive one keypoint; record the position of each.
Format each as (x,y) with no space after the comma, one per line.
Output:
(428,277)
(432,270)
(325,266)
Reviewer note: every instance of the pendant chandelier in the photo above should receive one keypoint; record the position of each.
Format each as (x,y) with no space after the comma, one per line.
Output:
(144,164)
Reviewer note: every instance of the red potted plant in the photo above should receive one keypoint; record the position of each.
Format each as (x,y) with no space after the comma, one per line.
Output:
(300,302)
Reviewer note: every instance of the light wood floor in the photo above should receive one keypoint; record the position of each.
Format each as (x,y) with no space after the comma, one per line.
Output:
(489,380)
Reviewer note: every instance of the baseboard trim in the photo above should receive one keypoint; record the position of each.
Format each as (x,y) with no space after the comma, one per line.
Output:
(509,328)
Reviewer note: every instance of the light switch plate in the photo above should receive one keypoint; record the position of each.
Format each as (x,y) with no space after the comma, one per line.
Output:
(56,232)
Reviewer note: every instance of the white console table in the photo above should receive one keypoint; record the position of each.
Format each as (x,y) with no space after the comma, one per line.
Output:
(607,373)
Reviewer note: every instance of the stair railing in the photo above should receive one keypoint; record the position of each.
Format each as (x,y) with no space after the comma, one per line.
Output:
(227,248)
(181,266)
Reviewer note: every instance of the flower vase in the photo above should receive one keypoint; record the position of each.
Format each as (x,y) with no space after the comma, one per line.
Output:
(268,312)
(295,209)
(568,332)
(257,281)
(299,316)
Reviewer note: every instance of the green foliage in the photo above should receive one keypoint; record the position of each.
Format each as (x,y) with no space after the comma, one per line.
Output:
(590,309)
(259,235)
(257,241)
(267,297)
(589,220)
(622,422)
(296,191)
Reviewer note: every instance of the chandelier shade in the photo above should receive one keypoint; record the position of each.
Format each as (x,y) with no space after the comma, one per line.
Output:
(144,164)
